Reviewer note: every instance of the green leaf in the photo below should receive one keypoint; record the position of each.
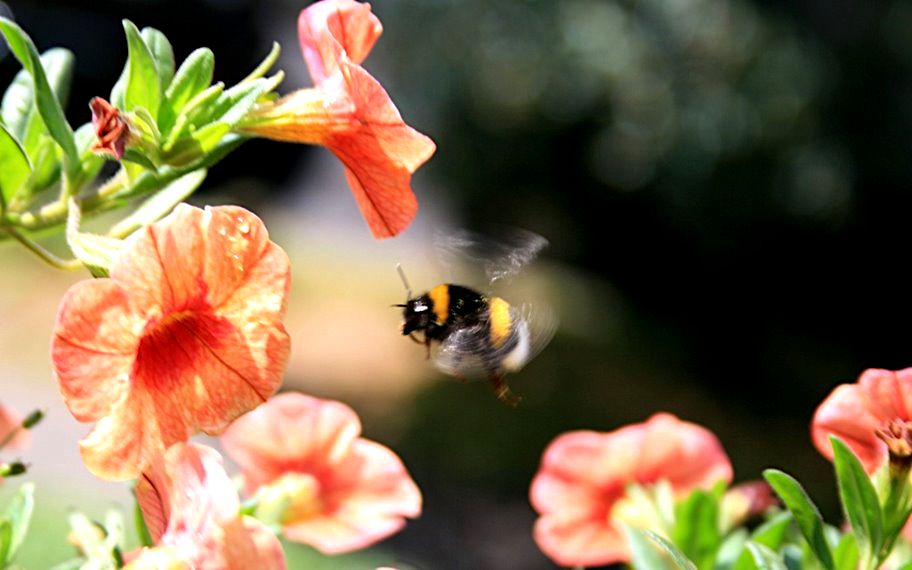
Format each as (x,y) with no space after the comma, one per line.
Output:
(231,106)
(90,163)
(143,86)
(45,99)
(18,108)
(765,558)
(162,53)
(730,550)
(193,76)
(196,106)
(19,513)
(845,554)
(859,499)
(805,513)
(773,531)
(15,167)
(160,204)
(696,529)
(6,540)
(653,552)
(199,143)
(266,64)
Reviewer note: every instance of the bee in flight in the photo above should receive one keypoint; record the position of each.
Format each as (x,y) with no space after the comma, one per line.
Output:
(479,335)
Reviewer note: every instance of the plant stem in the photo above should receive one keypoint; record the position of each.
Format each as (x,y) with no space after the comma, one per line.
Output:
(43,254)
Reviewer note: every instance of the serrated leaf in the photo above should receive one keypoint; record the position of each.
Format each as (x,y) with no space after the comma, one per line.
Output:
(18,107)
(859,499)
(162,53)
(15,167)
(45,99)
(143,86)
(805,512)
(193,76)
(19,513)
(765,558)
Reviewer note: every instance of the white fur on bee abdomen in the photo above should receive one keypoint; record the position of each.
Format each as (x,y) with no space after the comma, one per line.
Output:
(519,354)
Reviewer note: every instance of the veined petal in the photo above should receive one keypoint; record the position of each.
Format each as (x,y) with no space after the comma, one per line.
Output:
(185,336)
(94,346)
(332,29)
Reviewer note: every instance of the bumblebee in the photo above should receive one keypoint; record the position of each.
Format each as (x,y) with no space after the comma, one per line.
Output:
(478,335)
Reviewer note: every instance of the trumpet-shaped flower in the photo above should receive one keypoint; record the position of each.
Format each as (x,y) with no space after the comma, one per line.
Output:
(335,491)
(351,114)
(191,509)
(856,412)
(184,336)
(580,490)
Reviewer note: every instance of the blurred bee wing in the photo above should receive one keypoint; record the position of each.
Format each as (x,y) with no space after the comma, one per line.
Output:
(466,353)
(461,354)
(500,257)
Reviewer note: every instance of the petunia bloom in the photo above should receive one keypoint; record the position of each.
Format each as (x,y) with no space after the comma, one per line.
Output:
(580,490)
(339,492)
(191,509)
(856,412)
(184,336)
(351,114)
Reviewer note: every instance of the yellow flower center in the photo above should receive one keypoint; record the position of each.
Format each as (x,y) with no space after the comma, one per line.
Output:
(645,508)
(293,497)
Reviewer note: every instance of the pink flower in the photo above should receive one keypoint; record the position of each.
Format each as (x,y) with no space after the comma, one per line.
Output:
(351,114)
(340,492)
(184,336)
(191,509)
(10,429)
(581,484)
(854,413)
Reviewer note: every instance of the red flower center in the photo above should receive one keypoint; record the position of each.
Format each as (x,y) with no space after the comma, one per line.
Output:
(174,346)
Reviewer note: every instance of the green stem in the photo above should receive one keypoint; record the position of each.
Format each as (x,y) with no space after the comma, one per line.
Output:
(43,254)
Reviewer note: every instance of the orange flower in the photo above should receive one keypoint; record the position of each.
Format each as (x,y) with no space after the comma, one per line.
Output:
(580,488)
(334,29)
(351,114)
(855,412)
(191,509)
(184,336)
(338,492)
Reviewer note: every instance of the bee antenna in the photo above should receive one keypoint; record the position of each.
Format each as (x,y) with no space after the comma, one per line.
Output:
(408,288)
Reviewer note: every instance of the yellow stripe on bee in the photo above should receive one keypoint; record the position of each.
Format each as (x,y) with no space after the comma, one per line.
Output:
(440,296)
(501,322)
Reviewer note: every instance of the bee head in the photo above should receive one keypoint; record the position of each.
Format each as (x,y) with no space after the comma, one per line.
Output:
(417,315)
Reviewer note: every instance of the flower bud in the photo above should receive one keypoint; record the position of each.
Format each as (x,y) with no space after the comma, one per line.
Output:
(111,129)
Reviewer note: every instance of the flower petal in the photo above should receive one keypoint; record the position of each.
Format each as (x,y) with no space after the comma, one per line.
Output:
(580,542)
(369,496)
(845,413)
(94,346)
(247,543)
(380,153)
(11,420)
(332,29)
(291,431)
(688,456)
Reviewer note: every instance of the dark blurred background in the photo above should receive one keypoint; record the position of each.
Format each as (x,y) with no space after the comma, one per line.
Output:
(725,185)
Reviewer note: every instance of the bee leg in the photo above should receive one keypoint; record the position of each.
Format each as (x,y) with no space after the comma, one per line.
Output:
(415,339)
(503,392)
(427,344)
